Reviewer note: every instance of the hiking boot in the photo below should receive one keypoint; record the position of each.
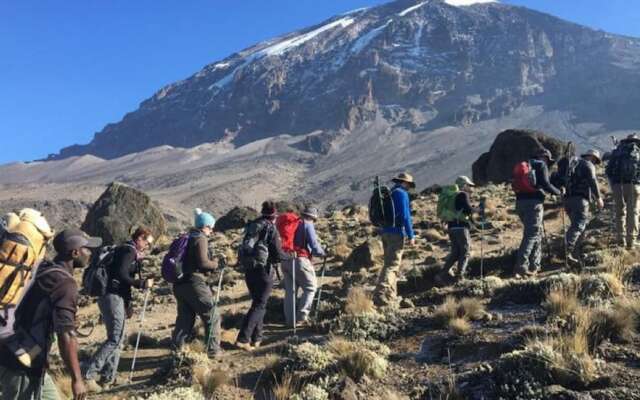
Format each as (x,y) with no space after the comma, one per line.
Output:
(519,271)
(256,345)
(572,260)
(92,386)
(214,353)
(452,272)
(244,346)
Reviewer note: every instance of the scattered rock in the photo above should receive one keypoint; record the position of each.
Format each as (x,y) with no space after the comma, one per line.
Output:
(237,218)
(368,255)
(119,210)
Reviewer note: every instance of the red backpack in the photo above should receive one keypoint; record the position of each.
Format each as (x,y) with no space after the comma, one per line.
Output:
(287,225)
(524,178)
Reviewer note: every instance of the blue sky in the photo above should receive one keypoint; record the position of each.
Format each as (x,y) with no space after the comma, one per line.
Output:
(67,68)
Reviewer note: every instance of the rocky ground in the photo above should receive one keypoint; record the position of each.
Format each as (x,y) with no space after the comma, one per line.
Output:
(561,335)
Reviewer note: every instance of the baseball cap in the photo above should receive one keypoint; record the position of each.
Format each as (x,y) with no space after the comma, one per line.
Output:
(73,239)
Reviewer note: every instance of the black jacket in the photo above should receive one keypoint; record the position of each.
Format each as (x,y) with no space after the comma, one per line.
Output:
(464,205)
(122,271)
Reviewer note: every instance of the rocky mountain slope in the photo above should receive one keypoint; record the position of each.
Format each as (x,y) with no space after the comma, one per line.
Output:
(419,65)
(562,335)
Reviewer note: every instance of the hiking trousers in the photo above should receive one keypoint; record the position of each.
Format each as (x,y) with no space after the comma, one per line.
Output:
(260,284)
(626,197)
(305,280)
(386,291)
(106,359)
(460,249)
(194,298)
(531,213)
(577,208)
(18,385)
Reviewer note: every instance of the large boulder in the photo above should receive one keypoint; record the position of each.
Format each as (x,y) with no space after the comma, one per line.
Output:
(237,218)
(119,210)
(511,147)
(369,254)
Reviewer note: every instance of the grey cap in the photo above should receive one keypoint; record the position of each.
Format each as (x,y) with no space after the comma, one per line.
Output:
(593,153)
(464,180)
(311,212)
(544,153)
(74,239)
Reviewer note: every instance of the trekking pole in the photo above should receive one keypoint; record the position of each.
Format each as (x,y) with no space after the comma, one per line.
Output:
(324,268)
(135,352)
(564,237)
(293,296)
(215,307)
(482,222)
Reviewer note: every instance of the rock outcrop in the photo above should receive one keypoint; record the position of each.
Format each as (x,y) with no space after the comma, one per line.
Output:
(509,148)
(119,210)
(237,218)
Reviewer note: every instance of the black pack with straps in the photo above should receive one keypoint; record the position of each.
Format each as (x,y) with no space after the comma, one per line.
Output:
(624,163)
(254,249)
(382,213)
(95,278)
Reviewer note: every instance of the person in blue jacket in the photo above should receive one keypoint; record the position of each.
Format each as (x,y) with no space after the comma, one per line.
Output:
(393,241)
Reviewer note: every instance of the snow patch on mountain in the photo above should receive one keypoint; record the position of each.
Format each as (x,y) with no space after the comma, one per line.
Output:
(365,39)
(282,47)
(464,3)
(411,9)
(357,10)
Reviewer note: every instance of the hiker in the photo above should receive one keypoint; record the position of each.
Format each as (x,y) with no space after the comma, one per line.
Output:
(393,240)
(577,176)
(116,306)
(260,253)
(306,246)
(530,183)
(459,223)
(193,295)
(623,171)
(49,306)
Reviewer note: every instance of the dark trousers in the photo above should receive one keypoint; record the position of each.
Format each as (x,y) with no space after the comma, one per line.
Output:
(194,297)
(260,283)
(460,249)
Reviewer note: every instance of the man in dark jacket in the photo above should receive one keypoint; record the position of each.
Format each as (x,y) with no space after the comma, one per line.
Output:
(393,241)
(530,209)
(193,295)
(48,307)
(459,230)
(578,178)
(116,306)
(260,253)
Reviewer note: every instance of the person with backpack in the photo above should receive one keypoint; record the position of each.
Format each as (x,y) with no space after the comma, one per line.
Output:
(623,172)
(577,176)
(116,306)
(393,240)
(454,208)
(48,307)
(193,295)
(530,183)
(306,246)
(260,252)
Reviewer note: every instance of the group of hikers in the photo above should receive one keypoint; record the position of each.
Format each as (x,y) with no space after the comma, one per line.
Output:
(39,298)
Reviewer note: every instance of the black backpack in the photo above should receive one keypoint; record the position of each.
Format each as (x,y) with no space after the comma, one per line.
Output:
(254,249)
(624,164)
(95,277)
(382,212)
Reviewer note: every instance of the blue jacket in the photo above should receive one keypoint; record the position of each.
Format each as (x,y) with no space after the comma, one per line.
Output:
(306,238)
(404,221)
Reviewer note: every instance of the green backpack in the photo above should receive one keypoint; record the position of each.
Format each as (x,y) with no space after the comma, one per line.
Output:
(447,204)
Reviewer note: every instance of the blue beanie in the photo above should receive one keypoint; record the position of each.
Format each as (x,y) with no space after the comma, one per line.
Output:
(203,219)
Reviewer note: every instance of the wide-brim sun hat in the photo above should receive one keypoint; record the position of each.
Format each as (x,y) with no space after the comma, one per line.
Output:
(406,178)
(595,154)
(545,153)
(311,212)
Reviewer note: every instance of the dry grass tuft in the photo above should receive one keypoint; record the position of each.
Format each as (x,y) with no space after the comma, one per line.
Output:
(210,381)
(285,388)
(562,301)
(469,308)
(459,326)
(359,302)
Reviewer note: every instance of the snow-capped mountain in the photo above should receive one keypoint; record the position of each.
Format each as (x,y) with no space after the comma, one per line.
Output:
(416,65)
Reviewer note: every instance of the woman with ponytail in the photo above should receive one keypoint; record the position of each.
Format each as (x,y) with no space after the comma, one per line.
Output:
(193,295)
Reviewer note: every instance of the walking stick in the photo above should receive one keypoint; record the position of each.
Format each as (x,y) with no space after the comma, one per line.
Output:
(135,352)
(564,237)
(324,267)
(215,307)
